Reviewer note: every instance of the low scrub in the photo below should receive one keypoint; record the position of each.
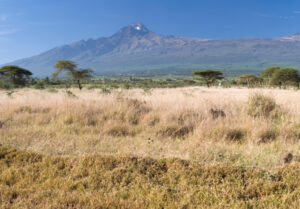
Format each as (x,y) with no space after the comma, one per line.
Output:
(120,130)
(135,110)
(267,135)
(29,180)
(260,105)
(188,117)
(175,131)
(235,135)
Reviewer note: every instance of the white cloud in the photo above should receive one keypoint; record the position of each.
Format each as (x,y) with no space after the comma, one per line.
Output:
(296,12)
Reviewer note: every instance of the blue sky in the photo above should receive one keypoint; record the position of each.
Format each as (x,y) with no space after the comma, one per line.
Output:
(29,27)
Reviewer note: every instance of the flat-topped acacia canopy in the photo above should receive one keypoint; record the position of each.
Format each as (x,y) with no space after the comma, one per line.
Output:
(209,76)
(11,70)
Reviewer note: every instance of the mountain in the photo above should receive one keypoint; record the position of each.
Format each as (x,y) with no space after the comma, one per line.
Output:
(137,50)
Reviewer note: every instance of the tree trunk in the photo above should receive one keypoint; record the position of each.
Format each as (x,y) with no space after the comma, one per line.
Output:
(79,84)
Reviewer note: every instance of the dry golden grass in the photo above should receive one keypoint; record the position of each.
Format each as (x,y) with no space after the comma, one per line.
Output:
(161,123)
(157,149)
(29,180)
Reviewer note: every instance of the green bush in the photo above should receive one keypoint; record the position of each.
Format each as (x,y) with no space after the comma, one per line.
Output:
(39,85)
(6,85)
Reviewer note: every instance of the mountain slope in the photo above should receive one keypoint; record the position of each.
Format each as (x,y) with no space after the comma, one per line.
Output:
(135,49)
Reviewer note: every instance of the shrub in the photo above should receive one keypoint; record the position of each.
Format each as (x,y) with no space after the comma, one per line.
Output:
(90,117)
(188,117)
(135,110)
(267,136)
(39,85)
(24,109)
(2,123)
(216,113)
(9,93)
(291,133)
(70,94)
(260,105)
(134,118)
(235,135)
(105,91)
(119,130)
(6,85)
(138,106)
(153,120)
(175,131)
(69,120)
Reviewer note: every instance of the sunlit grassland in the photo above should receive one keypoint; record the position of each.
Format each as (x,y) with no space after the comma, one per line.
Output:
(177,121)
(155,148)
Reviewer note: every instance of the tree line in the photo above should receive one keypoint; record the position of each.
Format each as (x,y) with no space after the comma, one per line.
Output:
(282,77)
(19,77)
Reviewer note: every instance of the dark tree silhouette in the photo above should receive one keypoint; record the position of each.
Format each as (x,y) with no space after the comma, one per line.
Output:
(209,76)
(70,67)
(249,79)
(19,76)
(285,76)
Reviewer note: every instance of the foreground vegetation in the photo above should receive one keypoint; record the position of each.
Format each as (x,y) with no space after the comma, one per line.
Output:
(149,148)
(29,180)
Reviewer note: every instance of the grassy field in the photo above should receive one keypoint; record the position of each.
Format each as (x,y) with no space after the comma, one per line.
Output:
(157,148)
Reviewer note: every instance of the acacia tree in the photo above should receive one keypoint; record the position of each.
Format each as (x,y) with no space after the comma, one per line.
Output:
(209,76)
(285,76)
(249,79)
(70,67)
(80,74)
(17,75)
(62,65)
(267,74)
